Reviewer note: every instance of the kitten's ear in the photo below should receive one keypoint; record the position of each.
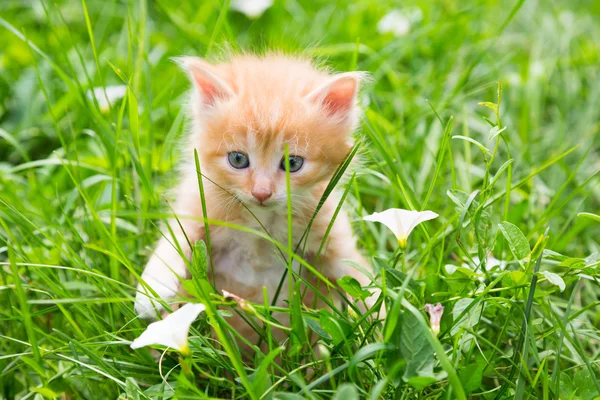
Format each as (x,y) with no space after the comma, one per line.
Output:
(338,95)
(206,78)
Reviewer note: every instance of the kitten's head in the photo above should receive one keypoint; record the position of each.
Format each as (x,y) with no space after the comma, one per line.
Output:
(246,110)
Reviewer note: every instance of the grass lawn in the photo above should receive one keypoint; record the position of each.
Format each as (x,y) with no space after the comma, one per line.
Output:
(485,112)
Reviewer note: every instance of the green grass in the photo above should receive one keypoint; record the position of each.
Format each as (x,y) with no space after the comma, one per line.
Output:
(82,195)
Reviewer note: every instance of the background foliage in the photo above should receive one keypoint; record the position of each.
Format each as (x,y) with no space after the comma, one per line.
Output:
(82,185)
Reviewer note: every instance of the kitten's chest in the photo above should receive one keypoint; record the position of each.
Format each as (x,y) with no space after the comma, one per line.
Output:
(244,263)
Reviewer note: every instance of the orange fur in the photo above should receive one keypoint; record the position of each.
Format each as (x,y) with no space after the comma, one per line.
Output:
(257,105)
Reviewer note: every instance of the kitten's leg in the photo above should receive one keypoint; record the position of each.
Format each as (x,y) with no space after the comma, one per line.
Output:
(167,265)
(163,273)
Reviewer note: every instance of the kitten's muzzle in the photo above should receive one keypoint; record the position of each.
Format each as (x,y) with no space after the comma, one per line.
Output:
(262,194)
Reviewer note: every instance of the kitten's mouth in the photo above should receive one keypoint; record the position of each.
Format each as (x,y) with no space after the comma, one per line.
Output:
(261,206)
(264,205)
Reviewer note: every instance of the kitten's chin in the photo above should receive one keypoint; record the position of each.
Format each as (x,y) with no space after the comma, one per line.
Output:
(254,205)
(267,207)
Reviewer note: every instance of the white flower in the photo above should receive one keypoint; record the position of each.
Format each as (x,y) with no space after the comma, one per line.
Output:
(491,262)
(113,94)
(537,69)
(401,222)
(251,8)
(567,18)
(398,22)
(172,331)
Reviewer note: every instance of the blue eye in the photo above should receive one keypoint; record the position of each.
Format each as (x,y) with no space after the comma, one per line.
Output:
(238,160)
(296,162)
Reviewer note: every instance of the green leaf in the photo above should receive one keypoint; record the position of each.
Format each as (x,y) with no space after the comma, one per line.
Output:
(368,351)
(538,248)
(47,393)
(572,263)
(378,388)
(299,338)
(466,315)
(472,375)
(483,149)
(567,391)
(584,383)
(517,242)
(132,389)
(502,168)
(199,260)
(395,278)
(353,288)
(459,279)
(490,105)
(421,382)
(194,287)
(288,396)
(315,326)
(161,391)
(593,217)
(346,391)
(415,348)
(555,279)
(261,380)
(495,132)
(515,278)
(484,230)
(336,328)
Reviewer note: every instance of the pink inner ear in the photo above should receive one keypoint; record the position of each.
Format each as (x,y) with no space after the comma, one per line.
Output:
(340,95)
(207,88)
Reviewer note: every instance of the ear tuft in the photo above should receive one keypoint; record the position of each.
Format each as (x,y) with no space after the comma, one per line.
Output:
(206,79)
(338,95)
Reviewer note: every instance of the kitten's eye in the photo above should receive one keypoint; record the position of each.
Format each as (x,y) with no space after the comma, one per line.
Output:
(238,160)
(296,163)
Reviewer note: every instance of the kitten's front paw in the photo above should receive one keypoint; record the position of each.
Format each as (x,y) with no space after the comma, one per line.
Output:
(146,305)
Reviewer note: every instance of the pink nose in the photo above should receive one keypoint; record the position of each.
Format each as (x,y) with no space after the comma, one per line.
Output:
(261,195)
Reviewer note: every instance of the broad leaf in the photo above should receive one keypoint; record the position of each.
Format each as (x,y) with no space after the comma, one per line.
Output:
(353,288)
(336,328)
(555,279)
(472,375)
(346,391)
(315,326)
(415,348)
(585,385)
(514,278)
(395,278)
(470,317)
(132,389)
(517,242)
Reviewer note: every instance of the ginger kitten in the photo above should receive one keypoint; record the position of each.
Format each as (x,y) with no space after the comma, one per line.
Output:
(243,112)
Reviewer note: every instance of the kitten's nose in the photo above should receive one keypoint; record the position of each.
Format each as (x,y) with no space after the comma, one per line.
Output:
(261,194)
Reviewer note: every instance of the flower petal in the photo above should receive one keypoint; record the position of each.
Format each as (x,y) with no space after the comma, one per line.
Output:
(401,222)
(172,331)
(394,22)
(388,218)
(107,96)
(411,219)
(251,8)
